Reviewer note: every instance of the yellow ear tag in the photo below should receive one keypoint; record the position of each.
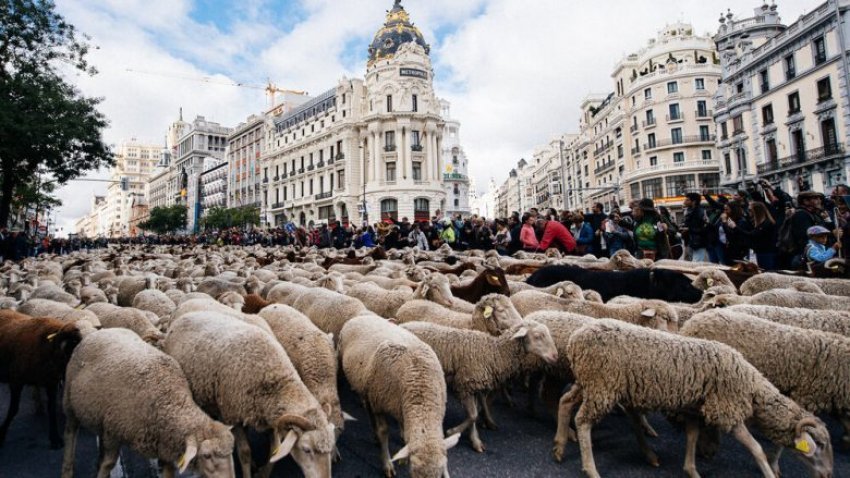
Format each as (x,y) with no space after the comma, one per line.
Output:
(52,336)
(181,462)
(803,446)
(709,281)
(488,311)
(559,292)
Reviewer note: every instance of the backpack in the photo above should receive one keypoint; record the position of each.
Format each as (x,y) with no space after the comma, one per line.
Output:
(785,239)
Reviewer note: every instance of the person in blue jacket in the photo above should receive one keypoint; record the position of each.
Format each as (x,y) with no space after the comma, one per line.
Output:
(583,233)
(816,251)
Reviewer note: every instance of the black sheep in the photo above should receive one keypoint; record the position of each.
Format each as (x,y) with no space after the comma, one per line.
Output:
(661,284)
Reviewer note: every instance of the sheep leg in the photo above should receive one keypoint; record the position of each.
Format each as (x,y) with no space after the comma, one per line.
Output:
(774,461)
(109,448)
(647,451)
(647,427)
(71,427)
(382,431)
(14,404)
(489,423)
(692,435)
(743,435)
(565,414)
(585,425)
(55,439)
(506,395)
(168,470)
(845,422)
(535,387)
(36,399)
(709,441)
(243,449)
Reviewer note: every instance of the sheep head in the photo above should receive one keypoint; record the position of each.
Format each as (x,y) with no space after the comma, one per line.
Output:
(812,445)
(210,452)
(497,312)
(536,339)
(435,288)
(430,458)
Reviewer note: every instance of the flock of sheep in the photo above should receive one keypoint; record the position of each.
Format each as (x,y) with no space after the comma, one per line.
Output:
(177,352)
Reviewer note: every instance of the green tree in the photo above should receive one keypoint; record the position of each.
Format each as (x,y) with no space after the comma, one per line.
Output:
(216,218)
(45,123)
(164,220)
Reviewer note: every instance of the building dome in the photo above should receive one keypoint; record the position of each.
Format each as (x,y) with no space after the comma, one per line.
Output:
(396,31)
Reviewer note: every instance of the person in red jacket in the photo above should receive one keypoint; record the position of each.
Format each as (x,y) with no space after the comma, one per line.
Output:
(556,235)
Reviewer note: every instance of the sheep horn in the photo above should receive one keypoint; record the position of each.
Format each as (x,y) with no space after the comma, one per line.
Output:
(295,421)
(808,421)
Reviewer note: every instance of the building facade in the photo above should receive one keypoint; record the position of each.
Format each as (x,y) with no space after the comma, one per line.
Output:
(134,164)
(366,149)
(455,173)
(96,223)
(244,152)
(214,184)
(782,110)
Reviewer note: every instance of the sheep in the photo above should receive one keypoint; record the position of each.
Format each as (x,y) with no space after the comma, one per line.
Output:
(231,299)
(112,380)
(648,313)
(806,286)
(54,293)
(329,310)
(707,380)
(57,310)
(155,301)
(207,304)
(245,376)
(810,366)
(112,316)
(215,286)
(786,298)
(396,374)
(386,303)
(658,284)
(479,363)
(286,293)
(388,282)
(128,287)
(312,353)
(254,304)
(493,314)
(835,321)
(35,351)
(91,295)
(769,280)
(712,277)
(489,281)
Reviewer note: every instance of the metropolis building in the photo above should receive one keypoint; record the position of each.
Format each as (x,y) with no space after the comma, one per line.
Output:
(366,149)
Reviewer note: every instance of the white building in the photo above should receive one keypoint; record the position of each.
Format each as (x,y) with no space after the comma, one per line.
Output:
(455,174)
(376,142)
(134,163)
(213,184)
(244,152)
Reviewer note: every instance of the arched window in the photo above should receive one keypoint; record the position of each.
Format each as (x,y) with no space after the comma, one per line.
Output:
(302,219)
(389,209)
(421,209)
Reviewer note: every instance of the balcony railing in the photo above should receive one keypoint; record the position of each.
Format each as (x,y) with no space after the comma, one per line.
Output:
(636,150)
(310,167)
(324,195)
(801,158)
(649,123)
(633,128)
(320,164)
(284,176)
(340,155)
(604,167)
(454,177)
(663,143)
(389,148)
(705,114)
(300,170)
(675,117)
(265,180)
(416,147)
(277,205)
(276,178)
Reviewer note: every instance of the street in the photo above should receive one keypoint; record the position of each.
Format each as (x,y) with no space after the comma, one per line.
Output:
(520,448)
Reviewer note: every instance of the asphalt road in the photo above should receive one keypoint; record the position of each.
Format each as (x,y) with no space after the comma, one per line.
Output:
(520,448)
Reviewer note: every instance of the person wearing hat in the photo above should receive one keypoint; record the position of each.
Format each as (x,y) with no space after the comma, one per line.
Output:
(695,228)
(809,213)
(816,251)
(650,231)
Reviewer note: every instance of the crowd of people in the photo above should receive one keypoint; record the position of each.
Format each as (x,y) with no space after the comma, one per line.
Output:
(761,224)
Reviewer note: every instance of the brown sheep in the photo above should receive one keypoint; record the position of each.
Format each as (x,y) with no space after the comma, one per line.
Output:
(491,281)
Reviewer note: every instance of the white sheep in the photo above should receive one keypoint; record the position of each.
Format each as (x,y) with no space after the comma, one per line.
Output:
(493,314)
(155,301)
(329,310)
(769,280)
(112,316)
(57,310)
(386,303)
(835,321)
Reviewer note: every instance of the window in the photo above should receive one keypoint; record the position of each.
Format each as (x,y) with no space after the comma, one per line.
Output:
(650,117)
(770,151)
(765,81)
(767,114)
(340,179)
(676,135)
(457,202)
(790,67)
(635,190)
(652,188)
(820,50)
(391,171)
(704,134)
(620,151)
(741,153)
(706,155)
(389,103)
(678,157)
(389,209)
(421,209)
(284,193)
(727,159)
(681,184)
(389,141)
(672,87)
(647,94)
(417,171)
(702,109)
(824,90)
(415,103)
(653,161)
(710,181)
(675,113)
(699,84)
(738,125)
(793,103)
(724,131)
(739,88)
(650,141)
(311,187)
(326,212)
(414,141)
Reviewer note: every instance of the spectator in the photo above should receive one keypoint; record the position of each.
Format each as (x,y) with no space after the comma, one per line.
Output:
(616,236)
(448,234)
(595,219)
(672,238)
(695,228)
(555,234)
(649,231)
(809,213)
(528,236)
(583,234)
(763,235)
(515,225)
(716,235)
(737,229)
(417,238)
(816,251)
(502,241)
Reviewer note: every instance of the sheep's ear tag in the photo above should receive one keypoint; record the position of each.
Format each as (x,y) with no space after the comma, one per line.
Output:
(493,279)
(559,292)
(709,281)
(52,336)
(488,311)
(803,446)
(80,306)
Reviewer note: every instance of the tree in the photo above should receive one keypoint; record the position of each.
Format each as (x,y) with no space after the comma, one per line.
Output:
(45,123)
(164,220)
(216,218)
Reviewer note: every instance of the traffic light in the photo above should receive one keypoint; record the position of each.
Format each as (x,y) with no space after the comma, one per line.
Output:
(125,184)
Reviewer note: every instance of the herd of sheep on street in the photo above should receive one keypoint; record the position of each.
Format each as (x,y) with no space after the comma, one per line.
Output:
(179,353)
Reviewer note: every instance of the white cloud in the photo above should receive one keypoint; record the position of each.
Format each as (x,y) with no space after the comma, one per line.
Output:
(515,71)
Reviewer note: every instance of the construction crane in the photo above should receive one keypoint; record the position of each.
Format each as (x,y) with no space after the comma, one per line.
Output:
(270,88)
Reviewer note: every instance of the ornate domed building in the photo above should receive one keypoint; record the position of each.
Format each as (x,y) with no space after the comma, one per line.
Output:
(367,149)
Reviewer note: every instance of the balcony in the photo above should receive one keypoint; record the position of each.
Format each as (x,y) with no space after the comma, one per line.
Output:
(320,164)
(801,158)
(649,123)
(324,195)
(283,176)
(300,170)
(330,161)
(820,58)
(633,128)
(604,167)
(790,74)
(704,114)
(266,180)
(311,167)
(712,165)
(276,178)
(454,177)
(664,143)
(416,147)
(389,148)
(676,117)
(277,205)
(636,150)
(340,156)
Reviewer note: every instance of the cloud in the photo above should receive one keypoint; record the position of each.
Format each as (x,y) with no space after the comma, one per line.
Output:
(515,71)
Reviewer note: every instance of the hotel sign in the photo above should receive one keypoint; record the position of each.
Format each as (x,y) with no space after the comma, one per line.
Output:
(413,72)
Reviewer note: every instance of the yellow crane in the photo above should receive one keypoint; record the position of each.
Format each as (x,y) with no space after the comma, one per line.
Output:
(270,88)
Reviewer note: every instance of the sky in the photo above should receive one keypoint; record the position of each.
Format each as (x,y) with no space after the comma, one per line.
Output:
(515,71)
